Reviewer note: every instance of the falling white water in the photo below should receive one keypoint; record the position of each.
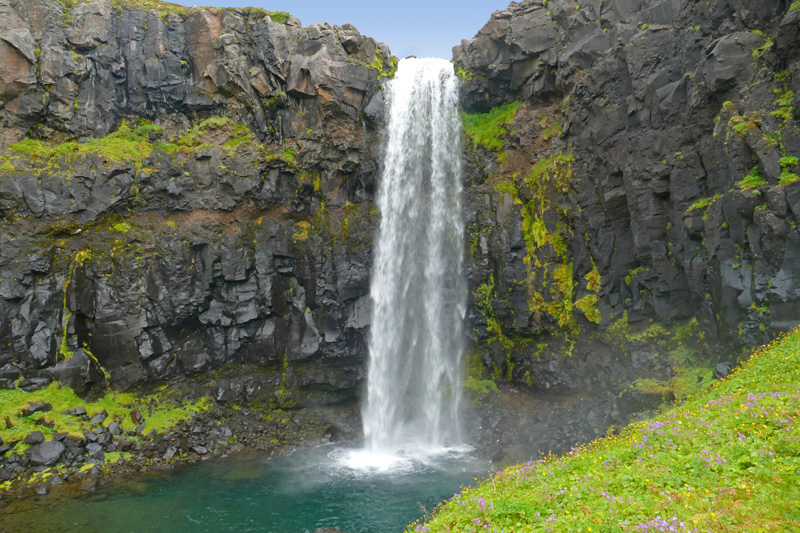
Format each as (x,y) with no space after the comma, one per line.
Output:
(418,290)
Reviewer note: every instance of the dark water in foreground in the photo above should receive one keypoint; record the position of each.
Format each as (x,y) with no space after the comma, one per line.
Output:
(301,492)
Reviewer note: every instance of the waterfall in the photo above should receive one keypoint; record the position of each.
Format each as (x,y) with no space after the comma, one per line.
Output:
(418,289)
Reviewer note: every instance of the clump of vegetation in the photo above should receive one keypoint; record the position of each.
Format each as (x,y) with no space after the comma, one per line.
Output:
(212,131)
(162,8)
(463,74)
(378,63)
(787,176)
(553,130)
(126,144)
(549,177)
(742,124)
(753,180)
(474,383)
(728,459)
(159,415)
(484,296)
(632,273)
(766,46)
(588,304)
(303,227)
(783,111)
(704,204)
(486,129)
(121,227)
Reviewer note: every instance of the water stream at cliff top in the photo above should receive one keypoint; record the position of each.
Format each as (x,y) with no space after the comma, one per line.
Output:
(418,289)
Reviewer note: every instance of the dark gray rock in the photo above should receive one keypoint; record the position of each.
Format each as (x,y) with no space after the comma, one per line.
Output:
(35,437)
(722,370)
(46,453)
(34,407)
(79,372)
(98,418)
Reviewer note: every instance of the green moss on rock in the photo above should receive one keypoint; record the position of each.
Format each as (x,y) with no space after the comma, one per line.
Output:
(486,129)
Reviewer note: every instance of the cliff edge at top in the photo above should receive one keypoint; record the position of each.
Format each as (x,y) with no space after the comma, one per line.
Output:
(75,69)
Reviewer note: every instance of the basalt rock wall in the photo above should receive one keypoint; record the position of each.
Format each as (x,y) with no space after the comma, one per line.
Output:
(184,190)
(659,141)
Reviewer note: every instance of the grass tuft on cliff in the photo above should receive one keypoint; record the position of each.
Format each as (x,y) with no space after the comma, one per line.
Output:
(485,129)
(725,460)
(129,143)
(126,144)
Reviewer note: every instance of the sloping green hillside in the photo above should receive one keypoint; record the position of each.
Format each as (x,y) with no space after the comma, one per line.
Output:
(726,460)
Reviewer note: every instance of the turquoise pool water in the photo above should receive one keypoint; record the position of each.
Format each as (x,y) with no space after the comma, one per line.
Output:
(302,492)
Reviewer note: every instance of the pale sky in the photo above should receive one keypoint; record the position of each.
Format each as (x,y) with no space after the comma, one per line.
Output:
(411,27)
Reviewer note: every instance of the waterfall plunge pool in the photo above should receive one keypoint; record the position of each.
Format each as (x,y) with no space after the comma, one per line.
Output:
(307,490)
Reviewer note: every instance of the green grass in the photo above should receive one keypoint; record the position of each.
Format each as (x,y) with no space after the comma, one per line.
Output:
(704,203)
(485,129)
(553,130)
(287,156)
(203,134)
(787,176)
(121,227)
(753,180)
(129,143)
(166,412)
(727,459)
(125,144)
(794,7)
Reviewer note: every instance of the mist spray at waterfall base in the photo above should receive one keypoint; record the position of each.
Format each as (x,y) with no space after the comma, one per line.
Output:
(411,413)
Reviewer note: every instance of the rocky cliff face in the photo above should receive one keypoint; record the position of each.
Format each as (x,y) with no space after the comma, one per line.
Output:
(187,192)
(214,209)
(650,171)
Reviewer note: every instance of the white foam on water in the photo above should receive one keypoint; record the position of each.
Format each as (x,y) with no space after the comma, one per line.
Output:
(363,462)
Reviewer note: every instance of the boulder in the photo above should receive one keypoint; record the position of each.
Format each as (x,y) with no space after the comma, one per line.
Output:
(46,453)
(35,437)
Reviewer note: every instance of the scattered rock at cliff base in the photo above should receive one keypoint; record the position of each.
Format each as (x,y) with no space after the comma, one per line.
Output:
(79,372)
(98,418)
(47,453)
(136,417)
(34,437)
(35,407)
(722,370)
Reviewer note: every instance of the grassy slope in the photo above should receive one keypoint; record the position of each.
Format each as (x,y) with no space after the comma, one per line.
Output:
(725,460)
(159,410)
